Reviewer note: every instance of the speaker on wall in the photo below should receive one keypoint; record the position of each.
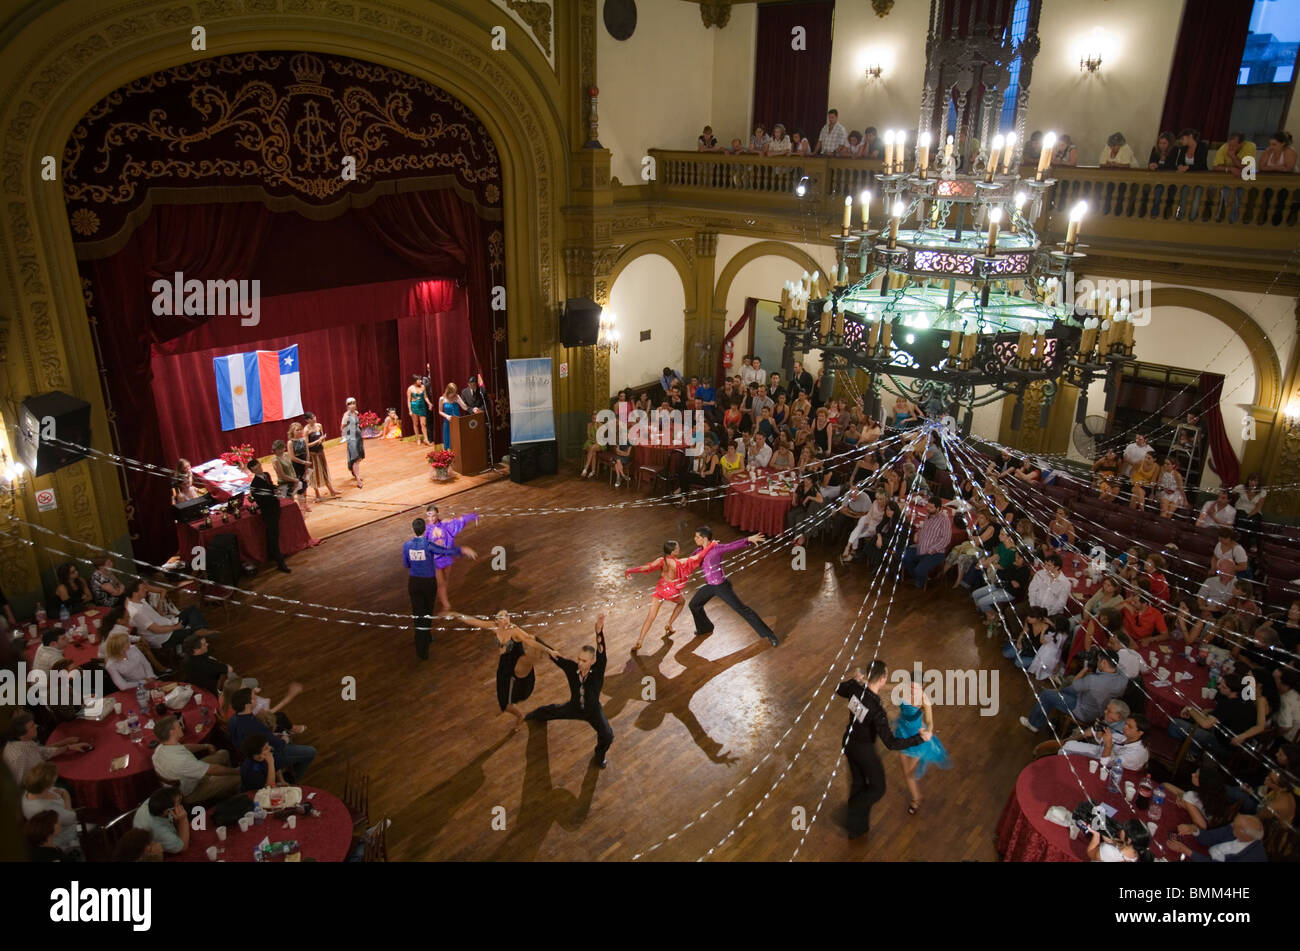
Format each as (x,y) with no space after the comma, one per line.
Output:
(580,323)
(47,424)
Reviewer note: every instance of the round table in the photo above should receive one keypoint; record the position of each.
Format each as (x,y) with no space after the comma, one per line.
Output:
(1075,567)
(751,508)
(1024,835)
(93,786)
(655,456)
(1165,703)
(81,651)
(325,838)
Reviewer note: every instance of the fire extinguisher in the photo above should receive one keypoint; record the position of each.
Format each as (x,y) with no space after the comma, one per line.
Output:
(728,354)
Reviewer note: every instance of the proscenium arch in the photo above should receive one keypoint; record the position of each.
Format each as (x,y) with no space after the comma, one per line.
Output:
(664,249)
(63,60)
(751,253)
(1263,355)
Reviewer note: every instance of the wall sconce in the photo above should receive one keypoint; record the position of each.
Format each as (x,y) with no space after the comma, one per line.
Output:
(873,71)
(1291,415)
(11,478)
(607,338)
(1092,51)
(874,63)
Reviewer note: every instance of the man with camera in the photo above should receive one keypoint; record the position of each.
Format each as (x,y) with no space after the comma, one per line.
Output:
(1085,698)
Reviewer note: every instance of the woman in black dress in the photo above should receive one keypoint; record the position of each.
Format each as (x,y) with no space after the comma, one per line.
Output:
(71,592)
(519,654)
(301,461)
(823,432)
(808,502)
(320,470)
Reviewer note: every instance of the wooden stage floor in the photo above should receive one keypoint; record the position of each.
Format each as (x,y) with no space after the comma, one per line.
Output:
(734,724)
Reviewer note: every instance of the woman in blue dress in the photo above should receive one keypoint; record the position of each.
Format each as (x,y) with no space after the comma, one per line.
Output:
(913,717)
(449,406)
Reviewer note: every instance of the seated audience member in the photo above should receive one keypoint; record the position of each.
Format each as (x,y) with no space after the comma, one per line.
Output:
(1112,721)
(856,505)
(1192,152)
(40,794)
(1107,464)
(71,592)
(1153,570)
(163,816)
(1229,555)
(1207,801)
(160,630)
(867,524)
(126,664)
(42,831)
(1084,699)
(1024,647)
(1066,153)
(1232,154)
(1008,584)
(53,641)
(1143,621)
(1050,587)
(1060,530)
(1216,594)
(783,457)
(1218,512)
(1128,746)
(294,758)
(1116,153)
(1144,476)
(1108,597)
(1164,156)
(1132,844)
(137,845)
(759,453)
(932,540)
(779,143)
(22,751)
(201,780)
(258,767)
(808,501)
(1169,488)
(1279,156)
(668,378)
(1287,718)
(106,589)
(1241,841)
(708,142)
(1127,661)
(1230,722)
(1134,453)
(201,668)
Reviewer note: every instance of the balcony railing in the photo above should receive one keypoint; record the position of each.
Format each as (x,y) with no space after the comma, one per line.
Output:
(1197,208)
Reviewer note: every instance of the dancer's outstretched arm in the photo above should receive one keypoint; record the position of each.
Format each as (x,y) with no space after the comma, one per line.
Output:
(655,565)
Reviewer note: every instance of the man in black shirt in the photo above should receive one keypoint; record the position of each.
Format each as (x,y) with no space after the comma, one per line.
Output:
(586,676)
(867,720)
(801,381)
(200,667)
(267,500)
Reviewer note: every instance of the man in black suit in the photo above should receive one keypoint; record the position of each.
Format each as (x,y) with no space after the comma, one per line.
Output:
(801,381)
(867,721)
(267,500)
(472,396)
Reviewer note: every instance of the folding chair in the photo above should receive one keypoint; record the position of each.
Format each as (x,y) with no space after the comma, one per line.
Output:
(356,796)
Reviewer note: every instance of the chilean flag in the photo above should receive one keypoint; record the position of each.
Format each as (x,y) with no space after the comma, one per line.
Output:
(258,387)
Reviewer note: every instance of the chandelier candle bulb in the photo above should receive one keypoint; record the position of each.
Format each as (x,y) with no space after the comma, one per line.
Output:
(1088,342)
(1009,153)
(1072,232)
(947,150)
(994,155)
(865,203)
(995,216)
(825,329)
(1023,347)
(900,155)
(839,325)
(923,152)
(886,333)
(954,343)
(889,150)
(893,224)
(848,214)
(968,344)
(1045,157)
(1103,340)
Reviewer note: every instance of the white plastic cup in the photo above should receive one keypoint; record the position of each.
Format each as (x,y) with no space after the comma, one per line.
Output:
(117,707)
(221,833)
(293,821)
(1092,766)
(1151,827)
(244,823)
(1129,791)
(1105,774)
(1074,831)
(212,853)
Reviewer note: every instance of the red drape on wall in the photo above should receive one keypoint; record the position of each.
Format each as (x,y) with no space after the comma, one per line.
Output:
(792,86)
(1203,79)
(751,307)
(1222,459)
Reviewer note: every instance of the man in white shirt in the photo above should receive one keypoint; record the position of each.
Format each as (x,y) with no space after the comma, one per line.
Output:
(1242,841)
(1134,453)
(1288,714)
(1127,661)
(759,453)
(1217,513)
(50,652)
(833,135)
(1050,588)
(1130,749)
(752,372)
(201,780)
(156,629)
(1216,593)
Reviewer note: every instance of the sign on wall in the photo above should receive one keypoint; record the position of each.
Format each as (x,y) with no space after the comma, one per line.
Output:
(532,413)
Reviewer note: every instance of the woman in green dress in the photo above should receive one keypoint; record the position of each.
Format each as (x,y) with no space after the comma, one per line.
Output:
(419,410)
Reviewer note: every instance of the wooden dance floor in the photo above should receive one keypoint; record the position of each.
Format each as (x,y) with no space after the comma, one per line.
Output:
(734,724)
(396,477)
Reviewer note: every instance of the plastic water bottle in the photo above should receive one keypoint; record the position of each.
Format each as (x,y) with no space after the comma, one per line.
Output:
(1116,781)
(133,723)
(1157,804)
(259,814)
(40,614)
(141,697)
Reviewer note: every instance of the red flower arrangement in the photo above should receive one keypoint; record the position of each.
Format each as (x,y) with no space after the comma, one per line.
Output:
(239,455)
(440,458)
(368,420)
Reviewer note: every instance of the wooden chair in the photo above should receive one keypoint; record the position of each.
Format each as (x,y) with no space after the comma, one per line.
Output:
(1168,753)
(663,480)
(98,842)
(377,843)
(356,796)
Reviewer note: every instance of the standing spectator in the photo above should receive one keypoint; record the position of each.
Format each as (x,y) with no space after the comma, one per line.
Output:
(801,381)
(1279,156)
(666,380)
(263,492)
(832,136)
(1192,152)
(737,147)
(1050,588)
(1231,156)
(853,147)
(932,540)
(1134,454)
(752,373)
(1116,153)
(1163,157)
(798,144)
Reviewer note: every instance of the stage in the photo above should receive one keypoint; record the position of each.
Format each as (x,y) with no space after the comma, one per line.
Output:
(396,477)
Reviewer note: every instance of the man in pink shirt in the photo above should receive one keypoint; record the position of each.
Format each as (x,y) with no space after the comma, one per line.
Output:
(932,540)
(717,585)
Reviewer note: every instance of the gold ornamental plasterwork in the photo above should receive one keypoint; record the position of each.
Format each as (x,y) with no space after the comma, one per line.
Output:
(539,18)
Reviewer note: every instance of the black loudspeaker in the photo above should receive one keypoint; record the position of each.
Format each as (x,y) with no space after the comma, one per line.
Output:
(51,427)
(532,459)
(580,324)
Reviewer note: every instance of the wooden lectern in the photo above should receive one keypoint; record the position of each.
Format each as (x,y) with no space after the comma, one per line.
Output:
(469,443)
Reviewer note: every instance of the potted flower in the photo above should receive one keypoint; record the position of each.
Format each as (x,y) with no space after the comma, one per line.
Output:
(369,423)
(239,456)
(440,461)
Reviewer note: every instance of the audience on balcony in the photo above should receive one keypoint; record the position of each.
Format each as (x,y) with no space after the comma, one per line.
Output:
(1279,156)
(1066,153)
(1192,152)
(799,143)
(778,142)
(708,142)
(759,141)
(1163,157)
(1232,155)
(1116,153)
(833,135)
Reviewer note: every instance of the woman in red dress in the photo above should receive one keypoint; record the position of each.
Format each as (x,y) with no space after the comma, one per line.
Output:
(672,578)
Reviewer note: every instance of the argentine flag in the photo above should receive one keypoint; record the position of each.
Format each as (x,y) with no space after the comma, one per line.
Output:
(257,387)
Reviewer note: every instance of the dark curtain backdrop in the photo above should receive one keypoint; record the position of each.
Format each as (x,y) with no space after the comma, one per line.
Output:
(1222,458)
(1203,79)
(366,331)
(792,86)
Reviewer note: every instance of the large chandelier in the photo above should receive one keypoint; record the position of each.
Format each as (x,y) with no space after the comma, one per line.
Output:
(952,291)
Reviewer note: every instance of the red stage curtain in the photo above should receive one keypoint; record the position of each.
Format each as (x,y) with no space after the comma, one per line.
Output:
(751,307)
(1203,80)
(1223,461)
(792,86)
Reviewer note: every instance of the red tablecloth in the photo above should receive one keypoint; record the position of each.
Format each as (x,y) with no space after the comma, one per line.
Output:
(749,510)
(1165,703)
(1075,567)
(656,456)
(81,650)
(325,838)
(251,532)
(87,773)
(1024,835)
